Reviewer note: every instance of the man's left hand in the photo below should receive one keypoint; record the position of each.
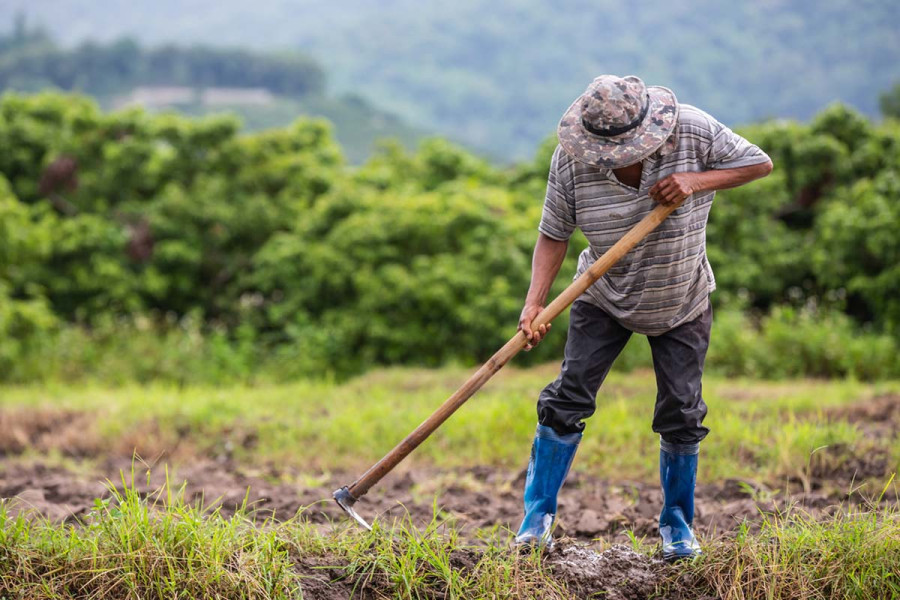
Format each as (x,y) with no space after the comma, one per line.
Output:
(674,188)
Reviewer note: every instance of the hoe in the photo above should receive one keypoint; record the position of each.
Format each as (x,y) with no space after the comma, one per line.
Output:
(347,496)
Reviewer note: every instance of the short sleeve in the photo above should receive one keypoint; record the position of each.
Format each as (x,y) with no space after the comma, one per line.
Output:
(558,217)
(728,150)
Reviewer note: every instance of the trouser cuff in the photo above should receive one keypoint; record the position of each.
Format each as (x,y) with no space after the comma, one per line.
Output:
(683,449)
(548,433)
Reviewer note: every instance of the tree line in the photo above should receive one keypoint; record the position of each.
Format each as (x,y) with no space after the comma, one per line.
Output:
(31,61)
(169,247)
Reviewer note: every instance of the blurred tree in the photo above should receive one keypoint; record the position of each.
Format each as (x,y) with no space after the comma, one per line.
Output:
(419,257)
(30,61)
(857,247)
(889,102)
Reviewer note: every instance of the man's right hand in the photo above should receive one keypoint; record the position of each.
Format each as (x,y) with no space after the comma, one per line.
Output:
(534,336)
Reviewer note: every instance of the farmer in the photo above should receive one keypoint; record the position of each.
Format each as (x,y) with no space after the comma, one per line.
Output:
(623,147)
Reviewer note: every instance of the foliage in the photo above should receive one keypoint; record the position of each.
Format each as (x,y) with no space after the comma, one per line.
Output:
(859,247)
(793,342)
(142,213)
(368,266)
(160,348)
(26,321)
(819,227)
(253,251)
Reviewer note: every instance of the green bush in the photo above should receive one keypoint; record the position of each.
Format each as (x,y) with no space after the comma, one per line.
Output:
(788,342)
(156,247)
(119,351)
(792,342)
(858,247)
(401,278)
(26,330)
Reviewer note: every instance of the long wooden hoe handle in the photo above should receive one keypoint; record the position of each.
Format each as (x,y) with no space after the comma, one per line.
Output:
(500,358)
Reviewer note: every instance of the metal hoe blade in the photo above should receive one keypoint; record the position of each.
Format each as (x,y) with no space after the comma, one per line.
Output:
(345,500)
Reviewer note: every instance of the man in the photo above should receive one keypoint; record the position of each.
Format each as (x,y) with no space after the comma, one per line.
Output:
(622,147)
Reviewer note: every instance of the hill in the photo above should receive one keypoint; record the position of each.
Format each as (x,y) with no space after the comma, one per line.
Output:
(266,89)
(497,76)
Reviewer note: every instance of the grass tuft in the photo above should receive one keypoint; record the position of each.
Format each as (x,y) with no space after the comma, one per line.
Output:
(136,546)
(853,555)
(157,545)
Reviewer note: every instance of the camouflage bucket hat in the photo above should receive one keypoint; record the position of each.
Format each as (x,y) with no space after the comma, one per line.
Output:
(618,122)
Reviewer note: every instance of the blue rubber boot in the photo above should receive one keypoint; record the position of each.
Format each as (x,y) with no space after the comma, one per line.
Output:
(551,457)
(678,474)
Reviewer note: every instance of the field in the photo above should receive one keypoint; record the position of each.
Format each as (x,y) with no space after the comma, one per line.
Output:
(225,492)
(206,330)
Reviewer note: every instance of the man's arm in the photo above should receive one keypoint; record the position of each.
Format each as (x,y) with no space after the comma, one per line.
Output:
(679,186)
(548,258)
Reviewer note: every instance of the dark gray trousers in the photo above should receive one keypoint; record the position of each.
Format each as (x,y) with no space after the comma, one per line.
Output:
(595,340)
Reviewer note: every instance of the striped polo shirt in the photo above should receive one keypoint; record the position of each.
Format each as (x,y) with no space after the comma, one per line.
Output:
(666,279)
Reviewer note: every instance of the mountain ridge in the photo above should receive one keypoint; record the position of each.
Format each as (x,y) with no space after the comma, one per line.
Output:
(497,76)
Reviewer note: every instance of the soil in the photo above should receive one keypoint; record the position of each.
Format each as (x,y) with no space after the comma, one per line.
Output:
(483,497)
(323,579)
(878,417)
(593,513)
(618,573)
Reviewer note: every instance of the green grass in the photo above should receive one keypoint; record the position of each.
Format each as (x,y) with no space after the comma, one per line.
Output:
(159,546)
(855,554)
(137,547)
(129,547)
(134,546)
(759,430)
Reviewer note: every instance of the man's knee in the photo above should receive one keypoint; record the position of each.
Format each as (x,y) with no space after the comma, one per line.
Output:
(595,340)
(678,419)
(565,412)
(678,358)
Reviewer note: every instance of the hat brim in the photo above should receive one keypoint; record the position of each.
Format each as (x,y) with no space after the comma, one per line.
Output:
(625,149)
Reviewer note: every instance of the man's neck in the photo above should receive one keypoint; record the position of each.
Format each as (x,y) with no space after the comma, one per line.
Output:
(630,175)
